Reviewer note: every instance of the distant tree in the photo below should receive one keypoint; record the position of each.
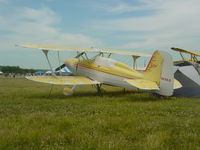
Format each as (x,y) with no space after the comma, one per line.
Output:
(16,69)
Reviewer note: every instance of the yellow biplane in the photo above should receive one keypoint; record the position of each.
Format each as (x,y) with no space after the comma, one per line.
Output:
(101,69)
(193,55)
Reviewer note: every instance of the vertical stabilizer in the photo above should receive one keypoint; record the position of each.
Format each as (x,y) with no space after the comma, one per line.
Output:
(160,70)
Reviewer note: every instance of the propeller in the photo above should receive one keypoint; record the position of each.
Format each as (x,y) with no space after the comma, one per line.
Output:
(63,65)
(60,67)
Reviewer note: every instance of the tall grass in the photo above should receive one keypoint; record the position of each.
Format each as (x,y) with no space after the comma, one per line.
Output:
(30,119)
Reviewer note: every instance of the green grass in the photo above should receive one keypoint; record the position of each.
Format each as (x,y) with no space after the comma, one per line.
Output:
(29,119)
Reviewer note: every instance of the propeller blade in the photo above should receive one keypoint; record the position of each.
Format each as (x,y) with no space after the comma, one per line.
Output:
(60,67)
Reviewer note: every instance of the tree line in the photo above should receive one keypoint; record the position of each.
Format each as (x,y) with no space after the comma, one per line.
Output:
(16,69)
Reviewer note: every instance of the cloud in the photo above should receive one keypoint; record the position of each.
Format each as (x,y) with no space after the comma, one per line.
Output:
(40,26)
(3,1)
(164,23)
(120,7)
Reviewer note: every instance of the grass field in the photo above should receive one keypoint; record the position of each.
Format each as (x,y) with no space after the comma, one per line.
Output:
(29,119)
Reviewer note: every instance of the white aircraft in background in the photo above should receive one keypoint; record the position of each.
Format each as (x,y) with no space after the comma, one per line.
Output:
(187,72)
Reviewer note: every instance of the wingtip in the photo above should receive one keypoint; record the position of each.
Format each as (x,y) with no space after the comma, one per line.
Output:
(19,45)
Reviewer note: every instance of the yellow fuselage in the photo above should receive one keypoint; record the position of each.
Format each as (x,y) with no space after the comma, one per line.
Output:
(104,70)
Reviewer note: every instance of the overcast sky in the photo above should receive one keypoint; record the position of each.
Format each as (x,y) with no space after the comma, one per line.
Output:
(134,25)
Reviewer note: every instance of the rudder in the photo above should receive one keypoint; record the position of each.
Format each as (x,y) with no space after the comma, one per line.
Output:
(160,70)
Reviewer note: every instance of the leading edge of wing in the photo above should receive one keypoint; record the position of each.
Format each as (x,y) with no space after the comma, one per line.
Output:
(68,48)
(185,51)
(63,80)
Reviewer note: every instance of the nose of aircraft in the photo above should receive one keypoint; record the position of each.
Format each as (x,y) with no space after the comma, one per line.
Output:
(71,61)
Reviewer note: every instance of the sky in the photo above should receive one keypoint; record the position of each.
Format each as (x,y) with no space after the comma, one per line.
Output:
(129,25)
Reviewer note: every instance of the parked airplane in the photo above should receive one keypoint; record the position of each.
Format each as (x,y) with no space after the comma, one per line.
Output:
(158,76)
(187,72)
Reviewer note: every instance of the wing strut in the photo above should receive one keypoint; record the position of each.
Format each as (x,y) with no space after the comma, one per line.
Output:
(59,63)
(134,61)
(79,54)
(46,54)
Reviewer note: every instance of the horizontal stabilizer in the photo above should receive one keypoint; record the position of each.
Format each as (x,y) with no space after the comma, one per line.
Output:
(177,84)
(63,80)
(143,84)
(149,85)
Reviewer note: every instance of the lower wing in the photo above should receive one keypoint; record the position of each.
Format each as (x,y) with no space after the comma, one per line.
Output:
(63,80)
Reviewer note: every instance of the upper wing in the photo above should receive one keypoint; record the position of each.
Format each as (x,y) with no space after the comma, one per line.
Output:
(63,80)
(66,48)
(185,51)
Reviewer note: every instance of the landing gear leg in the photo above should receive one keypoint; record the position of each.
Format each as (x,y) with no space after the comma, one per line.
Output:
(158,96)
(98,87)
(50,90)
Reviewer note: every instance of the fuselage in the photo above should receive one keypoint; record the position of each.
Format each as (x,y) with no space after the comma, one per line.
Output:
(104,70)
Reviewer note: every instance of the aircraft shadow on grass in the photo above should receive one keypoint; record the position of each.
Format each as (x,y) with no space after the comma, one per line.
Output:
(117,95)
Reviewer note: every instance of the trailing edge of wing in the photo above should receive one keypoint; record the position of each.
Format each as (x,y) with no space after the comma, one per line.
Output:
(67,48)
(143,84)
(63,80)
